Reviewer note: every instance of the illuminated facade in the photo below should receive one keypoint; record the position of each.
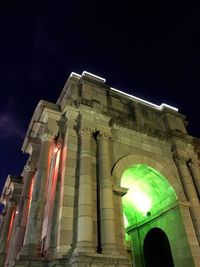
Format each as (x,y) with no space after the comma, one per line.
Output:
(111,180)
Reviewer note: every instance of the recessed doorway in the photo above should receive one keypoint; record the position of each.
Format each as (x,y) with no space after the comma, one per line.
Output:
(157,250)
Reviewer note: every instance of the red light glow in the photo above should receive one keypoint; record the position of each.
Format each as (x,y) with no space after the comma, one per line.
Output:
(50,200)
(26,211)
(10,226)
(31,189)
(56,149)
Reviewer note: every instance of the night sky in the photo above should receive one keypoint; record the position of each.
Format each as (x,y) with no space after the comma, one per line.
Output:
(148,49)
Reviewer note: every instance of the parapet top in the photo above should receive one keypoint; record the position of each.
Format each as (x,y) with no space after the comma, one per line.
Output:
(103,80)
(89,75)
(161,107)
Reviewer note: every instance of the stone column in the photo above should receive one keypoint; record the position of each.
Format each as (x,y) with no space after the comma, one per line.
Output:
(2,221)
(195,172)
(23,208)
(108,231)
(32,240)
(85,231)
(5,234)
(190,193)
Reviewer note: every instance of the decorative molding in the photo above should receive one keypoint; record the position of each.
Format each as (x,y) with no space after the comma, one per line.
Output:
(180,160)
(193,163)
(47,133)
(104,136)
(86,131)
(120,191)
(30,166)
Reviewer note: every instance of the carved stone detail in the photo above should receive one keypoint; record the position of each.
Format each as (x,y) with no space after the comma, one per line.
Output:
(180,160)
(105,136)
(86,131)
(47,133)
(193,163)
(29,167)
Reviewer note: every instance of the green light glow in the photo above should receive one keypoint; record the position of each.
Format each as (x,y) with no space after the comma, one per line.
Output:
(125,220)
(148,193)
(141,200)
(126,225)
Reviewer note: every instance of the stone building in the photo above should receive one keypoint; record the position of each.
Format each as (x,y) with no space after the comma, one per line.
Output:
(111,181)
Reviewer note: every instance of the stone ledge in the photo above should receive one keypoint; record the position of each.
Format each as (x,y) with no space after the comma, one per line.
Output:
(31,263)
(100,260)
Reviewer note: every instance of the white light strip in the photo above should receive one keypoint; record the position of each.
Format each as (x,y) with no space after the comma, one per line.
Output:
(75,74)
(85,73)
(144,101)
(167,106)
(161,107)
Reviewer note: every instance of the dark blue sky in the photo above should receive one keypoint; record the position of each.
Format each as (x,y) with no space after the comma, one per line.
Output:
(148,49)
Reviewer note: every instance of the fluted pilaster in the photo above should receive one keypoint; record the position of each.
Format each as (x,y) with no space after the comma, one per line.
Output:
(190,193)
(195,172)
(32,244)
(85,231)
(108,231)
(6,231)
(23,208)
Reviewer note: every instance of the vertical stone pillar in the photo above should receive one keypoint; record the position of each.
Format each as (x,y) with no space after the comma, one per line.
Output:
(23,208)
(32,244)
(195,172)
(108,231)
(2,221)
(85,231)
(190,193)
(5,234)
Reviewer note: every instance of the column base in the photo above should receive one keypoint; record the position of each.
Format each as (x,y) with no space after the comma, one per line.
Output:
(30,255)
(99,260)
(84,247)
(110,249)
(81,260)
(30,252)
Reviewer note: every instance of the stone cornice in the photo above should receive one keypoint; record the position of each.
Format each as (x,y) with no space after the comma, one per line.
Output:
(12,189)
(42,111)
(120,191)
(166,110)
(174,135)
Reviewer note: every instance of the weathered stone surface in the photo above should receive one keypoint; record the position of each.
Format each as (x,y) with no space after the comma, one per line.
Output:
(72,215)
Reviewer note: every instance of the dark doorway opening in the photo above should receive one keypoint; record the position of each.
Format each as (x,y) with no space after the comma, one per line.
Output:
(157,250)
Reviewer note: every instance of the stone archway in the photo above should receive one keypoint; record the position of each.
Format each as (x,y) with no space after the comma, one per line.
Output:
(157,251)
(157,203)
(132,159)
(149,194)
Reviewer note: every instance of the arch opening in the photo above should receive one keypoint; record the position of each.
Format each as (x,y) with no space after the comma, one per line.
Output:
(157,251)
(148,194)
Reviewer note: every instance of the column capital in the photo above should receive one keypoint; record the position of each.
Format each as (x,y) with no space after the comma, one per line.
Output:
(104,136)
(47,134)
(193,163)
(180,160)
(29,167)
(11,203)
(85,131)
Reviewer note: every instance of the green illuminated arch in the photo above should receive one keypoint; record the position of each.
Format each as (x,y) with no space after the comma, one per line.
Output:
(149,192)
